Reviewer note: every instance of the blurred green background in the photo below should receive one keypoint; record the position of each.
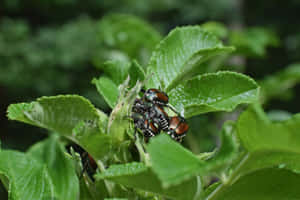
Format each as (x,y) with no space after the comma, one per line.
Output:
(55,47)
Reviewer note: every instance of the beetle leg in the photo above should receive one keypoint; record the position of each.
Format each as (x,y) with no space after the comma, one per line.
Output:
(85,163)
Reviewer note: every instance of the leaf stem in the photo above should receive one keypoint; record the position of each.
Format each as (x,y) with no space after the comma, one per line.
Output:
(231,179)
(109,186)
(143,155)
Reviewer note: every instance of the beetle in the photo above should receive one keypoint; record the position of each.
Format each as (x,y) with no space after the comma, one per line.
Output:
(139,106)
(148,128)
(89,165)
(177,128)
(155,96)
(152,113)
(159,116)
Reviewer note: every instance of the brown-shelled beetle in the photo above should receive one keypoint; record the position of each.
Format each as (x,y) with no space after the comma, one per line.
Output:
(177,128)
(148,128)
(155,96)
(89,165)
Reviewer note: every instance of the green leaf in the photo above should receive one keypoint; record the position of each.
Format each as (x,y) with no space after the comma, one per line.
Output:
(60,168)
(92,190)
(117,70)
(178,56)
(257,132)
(275,85)
(267,184)
(116,31)
(69,115)
(58,113)
(174,164)
(221,91)
(108,89)
(137,175)
(253,41)
(171,162)
(216,28)
(17,112)
(91,139)
(85,194)
(28,178)
(136,73)
(266,144)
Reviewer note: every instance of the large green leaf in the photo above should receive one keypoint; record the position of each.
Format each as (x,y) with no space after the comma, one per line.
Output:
(28,179)
(221,91)
(275,85)
(178,56)
(174,164)
(257,132)
(137,175)
(58,113)
(44,172)
(266,144)
(60,168)
(267,184)
(69,115)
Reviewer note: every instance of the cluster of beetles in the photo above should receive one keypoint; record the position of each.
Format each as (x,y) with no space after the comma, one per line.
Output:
(150,117)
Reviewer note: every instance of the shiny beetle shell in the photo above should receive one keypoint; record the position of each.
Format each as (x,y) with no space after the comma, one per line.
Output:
(177,127)
(156,96)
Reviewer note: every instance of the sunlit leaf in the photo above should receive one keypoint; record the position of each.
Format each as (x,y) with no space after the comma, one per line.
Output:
(178,56)
(221,91)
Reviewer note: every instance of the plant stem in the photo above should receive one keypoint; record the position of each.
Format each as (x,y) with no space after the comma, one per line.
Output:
(231,179)
(109,186)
